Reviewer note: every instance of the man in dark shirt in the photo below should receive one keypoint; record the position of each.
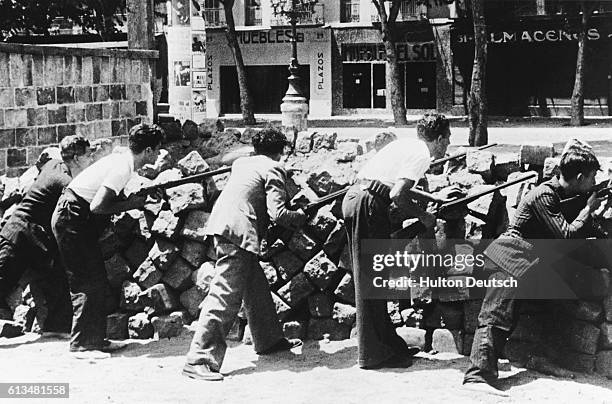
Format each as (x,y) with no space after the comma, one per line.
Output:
(26,240)
(538,216)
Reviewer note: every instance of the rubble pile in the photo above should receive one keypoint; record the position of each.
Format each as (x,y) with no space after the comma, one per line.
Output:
(160,264)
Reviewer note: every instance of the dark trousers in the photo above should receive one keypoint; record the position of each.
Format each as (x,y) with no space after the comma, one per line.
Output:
(367,217)
(496,320)
(48,283)
(77,237)
(238,279)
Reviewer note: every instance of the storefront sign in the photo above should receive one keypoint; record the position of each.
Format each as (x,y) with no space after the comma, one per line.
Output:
(320,73)
(406,52)
(551,35)
(268,37)
(209,73)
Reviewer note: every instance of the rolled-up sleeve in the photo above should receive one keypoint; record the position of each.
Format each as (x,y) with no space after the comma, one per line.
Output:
(277,199)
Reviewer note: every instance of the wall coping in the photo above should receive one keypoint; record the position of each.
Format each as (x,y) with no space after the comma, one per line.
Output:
(72,51)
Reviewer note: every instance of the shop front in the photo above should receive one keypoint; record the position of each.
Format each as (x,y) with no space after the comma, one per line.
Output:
(266,56)
(532,65)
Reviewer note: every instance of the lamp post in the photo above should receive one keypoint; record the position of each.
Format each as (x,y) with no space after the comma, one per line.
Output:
(294,109)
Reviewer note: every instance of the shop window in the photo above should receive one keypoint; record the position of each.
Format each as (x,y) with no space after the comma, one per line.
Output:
(253,12)
(357,85)
(350,11)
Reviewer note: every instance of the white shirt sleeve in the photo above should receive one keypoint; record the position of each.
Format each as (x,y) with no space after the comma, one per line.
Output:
(413,168)
(118,178)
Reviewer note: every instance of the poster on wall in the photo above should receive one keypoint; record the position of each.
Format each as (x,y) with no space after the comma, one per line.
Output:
(198,103)
(198,50)
(182,73)
(199,79)
(181,13)
(197,22)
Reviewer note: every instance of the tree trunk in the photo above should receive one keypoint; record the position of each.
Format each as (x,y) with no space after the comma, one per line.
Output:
(477,102)
(386,30)
(246,101)
(577,113)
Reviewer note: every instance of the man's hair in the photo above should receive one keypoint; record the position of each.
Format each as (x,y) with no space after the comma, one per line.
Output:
(269,140)
(431,126)
(73,145)
(576,161)
(145,135)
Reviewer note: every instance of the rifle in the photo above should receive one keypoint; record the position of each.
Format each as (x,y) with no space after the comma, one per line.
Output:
(457,155)
(416,228)
(187,180)
(602,189)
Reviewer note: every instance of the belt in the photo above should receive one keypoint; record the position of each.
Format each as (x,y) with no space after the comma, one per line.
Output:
(376,188)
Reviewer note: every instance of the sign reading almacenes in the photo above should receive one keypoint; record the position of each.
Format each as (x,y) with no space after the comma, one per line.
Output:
(551,35)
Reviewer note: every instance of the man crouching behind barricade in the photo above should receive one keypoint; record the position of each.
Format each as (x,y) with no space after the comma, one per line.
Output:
(26,240)
(254,195)
(388,177)
(513,256)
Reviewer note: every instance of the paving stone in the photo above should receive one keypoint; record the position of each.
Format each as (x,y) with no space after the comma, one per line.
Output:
(178,276)
(136,253)
(147,274)
(345,291)
(195,224)
(139,327)
(117,326)
(129,299)
(445,340)
(294,329)
(303,143)
(166,225)
(194,252)
(320,270)
(344,314)
(163,253)
(192,164)
(480,162)
(159,299)
(324,141)
(287,264)
(10,329)
(270,272)
(282,308)
(117,270)
(296,290)
(318,328)
(321,224)
(169,325)
(320,305)
(186,197)
(191,300)
(302,245)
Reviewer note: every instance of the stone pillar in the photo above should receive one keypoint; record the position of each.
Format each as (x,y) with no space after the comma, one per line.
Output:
(444,69)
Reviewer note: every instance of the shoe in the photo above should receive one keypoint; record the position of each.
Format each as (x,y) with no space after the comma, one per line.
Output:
(283,344)
(90,354)
(112,346)
(201,372)
(484,388)
(411,351)
(394,362)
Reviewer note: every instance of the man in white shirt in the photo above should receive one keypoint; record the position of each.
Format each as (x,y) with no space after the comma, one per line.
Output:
(95,191)
(386,178)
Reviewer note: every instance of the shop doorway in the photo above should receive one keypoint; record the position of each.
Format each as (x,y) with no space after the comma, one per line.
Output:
(267,84)
(420,79)
(357,85)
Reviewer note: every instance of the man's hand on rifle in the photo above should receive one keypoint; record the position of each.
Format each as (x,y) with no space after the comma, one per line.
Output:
(452,192)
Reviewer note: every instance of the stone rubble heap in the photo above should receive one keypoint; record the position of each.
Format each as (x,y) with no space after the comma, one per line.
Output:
(159,263)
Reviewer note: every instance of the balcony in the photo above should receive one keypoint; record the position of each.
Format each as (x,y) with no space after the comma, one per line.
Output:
(409,11)
(214,17)
(314,17)
(253,16)
(350,12)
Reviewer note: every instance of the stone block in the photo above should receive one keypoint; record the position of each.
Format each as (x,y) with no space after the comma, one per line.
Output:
(335,242)
(129,299)
(413,337)
(465,179)
(436,183)
(10,329)
(606,335)
(147,274)
(348,151)
(480,162)
(535,154)
(195,224)
(324,141)
(287,264)
(191,300)
(24,316)
(178,276)
(170,325)
(296,290)
(194,252)
(65,95)
(582,336)
(117,92)
(345,291)
(445,340)
(530,328)
(139,327)
(166,225)
(117,326)
(26,97)
(117,270)
(15,118)
(37,116)
(321,271)
(202,276)
(25,137)
(303,143)
(186,197)
(320,305)
(344,314)
(326,179)
(319,328)
(270,272)
(136,253)
(302,245)
(587,311)
(321,224)
(282,308)
(192,164)
(163,253)
(551,167)
(294,329)
(603,364)
(159,299)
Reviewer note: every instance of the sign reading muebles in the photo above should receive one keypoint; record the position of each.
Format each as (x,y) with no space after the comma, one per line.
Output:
(265,37)
(406,52)
(550,35)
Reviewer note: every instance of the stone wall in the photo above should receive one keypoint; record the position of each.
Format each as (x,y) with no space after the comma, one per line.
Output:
(49,92)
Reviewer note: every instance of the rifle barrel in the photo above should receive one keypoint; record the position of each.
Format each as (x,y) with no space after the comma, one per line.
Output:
(324,200)
(468,199)
(188,180)
(458,155)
